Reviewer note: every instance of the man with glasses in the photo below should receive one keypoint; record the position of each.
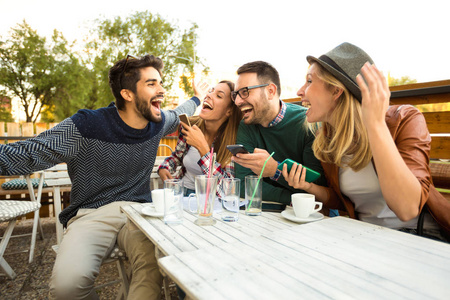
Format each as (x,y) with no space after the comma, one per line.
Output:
(110,153)
(270,125)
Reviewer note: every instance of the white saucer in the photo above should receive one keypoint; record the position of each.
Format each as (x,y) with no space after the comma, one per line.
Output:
(149,210)
(290,215)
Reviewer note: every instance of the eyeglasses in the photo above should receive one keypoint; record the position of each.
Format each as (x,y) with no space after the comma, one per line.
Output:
(129,56)
(244,92)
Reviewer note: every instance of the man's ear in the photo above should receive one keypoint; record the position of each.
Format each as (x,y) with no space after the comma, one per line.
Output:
(337,93)
(127,94)
(272,90)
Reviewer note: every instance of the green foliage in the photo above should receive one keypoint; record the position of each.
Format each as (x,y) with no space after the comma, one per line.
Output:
(403,80)
(41,74)
(138,34)
(53,81)
(5,114)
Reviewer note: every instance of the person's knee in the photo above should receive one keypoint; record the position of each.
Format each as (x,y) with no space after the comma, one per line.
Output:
(71,287)
(74,281)
(141,250)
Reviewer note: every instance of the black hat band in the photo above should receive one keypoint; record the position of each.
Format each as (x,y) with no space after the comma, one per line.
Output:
(331,62)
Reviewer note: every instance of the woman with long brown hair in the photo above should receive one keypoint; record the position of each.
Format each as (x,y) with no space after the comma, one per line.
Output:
(375,156)
(215,127)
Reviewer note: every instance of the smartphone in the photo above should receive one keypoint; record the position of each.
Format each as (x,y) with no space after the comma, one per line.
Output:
(235,149)
(311,175)
(184,118)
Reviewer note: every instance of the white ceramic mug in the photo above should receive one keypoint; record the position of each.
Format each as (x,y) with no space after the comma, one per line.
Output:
(304,204)
(158,200)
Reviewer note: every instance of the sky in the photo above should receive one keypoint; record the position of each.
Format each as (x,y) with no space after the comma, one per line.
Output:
(403,37)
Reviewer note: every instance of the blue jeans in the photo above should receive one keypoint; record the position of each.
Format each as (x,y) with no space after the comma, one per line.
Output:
(187,192)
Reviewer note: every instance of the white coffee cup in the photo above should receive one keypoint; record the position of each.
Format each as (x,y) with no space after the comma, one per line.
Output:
(304,204)
(158,200)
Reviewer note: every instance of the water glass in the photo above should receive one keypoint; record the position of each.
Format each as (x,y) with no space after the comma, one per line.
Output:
(205,193)
(230,199)
(173,201)
(253,196)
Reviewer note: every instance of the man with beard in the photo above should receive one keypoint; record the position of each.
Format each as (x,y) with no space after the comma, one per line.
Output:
(110,153)
(270,125)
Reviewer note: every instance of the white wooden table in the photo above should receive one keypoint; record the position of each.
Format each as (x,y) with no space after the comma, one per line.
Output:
(336,258)
(188,236)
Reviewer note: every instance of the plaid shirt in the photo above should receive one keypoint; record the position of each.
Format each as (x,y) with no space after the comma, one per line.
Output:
(275,121)
(175,160)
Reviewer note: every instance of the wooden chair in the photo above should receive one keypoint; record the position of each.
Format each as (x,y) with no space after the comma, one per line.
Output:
(31,196)
(155,181)
(10,210)
(58,178)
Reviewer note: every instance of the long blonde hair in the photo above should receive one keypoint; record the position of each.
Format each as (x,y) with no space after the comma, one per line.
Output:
(348,138)
(227,132)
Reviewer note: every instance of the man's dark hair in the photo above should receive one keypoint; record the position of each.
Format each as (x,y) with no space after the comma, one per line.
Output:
(265,73)
(126,73)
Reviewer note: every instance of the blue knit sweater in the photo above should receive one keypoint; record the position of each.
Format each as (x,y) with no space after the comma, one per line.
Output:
(107,160)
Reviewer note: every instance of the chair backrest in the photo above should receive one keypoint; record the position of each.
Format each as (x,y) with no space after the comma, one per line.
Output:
(31,189)
(57,176)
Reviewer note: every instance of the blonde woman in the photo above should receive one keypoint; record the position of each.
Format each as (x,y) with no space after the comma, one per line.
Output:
(215,126)
(375,156)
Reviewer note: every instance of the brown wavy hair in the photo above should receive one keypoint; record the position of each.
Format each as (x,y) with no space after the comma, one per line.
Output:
(227,132)
(348,138)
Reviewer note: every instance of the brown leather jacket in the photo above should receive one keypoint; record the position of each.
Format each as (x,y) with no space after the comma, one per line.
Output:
(410,133)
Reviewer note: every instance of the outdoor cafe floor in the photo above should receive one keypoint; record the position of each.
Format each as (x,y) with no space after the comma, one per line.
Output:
(33,279)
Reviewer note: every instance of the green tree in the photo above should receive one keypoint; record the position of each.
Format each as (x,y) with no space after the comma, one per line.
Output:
(140,33)
(36,72)
(73,83)
(5,109)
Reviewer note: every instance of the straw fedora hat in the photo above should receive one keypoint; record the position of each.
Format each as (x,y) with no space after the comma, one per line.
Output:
(344,62)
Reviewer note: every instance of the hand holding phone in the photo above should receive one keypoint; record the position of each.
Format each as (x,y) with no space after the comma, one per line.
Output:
(311,175)
(184,118)
(235,149)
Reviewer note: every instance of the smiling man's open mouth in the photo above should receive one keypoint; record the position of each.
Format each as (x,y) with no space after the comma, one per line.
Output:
(246,109)
(156,103)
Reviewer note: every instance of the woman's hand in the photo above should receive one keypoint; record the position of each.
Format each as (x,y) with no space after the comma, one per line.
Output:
(375,95)
(164,174)
(296,177)
(195,138)
(400,188)
(200,89)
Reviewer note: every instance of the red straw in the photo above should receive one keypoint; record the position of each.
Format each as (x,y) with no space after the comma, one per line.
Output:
(211,154)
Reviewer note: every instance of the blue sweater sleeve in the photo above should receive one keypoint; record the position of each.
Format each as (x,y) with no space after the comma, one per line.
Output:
(56,145)
(171,116)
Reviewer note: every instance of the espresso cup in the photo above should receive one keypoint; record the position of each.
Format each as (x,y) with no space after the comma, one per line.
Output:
(158,200)
(304,204)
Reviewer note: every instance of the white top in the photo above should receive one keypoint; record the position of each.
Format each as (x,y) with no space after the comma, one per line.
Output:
(363,189)
(192,168)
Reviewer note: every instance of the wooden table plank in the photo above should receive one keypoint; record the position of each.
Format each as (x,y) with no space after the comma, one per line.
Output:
(187,236)
(336,258)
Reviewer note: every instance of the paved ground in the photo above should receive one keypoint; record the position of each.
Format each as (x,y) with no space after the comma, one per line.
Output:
(32,279)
